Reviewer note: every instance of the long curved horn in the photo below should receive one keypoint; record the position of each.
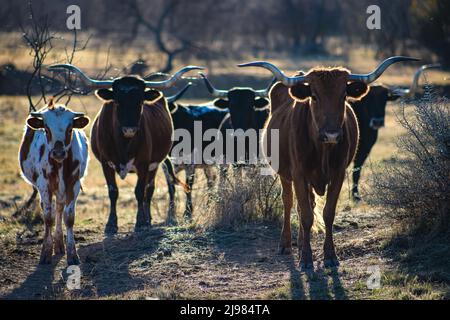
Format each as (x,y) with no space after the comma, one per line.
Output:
(374,75)
(418,74)
(171,82)
(91,83)
(177,96)
(278,74)
(215,92)
(156,75)
(264,92)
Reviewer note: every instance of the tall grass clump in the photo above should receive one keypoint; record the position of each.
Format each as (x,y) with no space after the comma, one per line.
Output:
(243,196)
(416,189)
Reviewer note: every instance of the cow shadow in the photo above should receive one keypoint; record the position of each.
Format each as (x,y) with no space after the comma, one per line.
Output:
(105,264)
(40,284)
(258,247)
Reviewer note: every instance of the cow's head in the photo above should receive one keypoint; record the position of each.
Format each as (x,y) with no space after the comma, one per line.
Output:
(128,94)
(58,123)
(327,91)
(244,104)
(374,103)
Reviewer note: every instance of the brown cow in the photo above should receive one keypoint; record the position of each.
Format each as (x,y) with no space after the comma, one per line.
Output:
(318,135)
(131,133)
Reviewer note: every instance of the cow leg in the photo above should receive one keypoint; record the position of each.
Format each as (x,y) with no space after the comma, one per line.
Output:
(190,176)
(285,246)
(144,192)
(69,221)
(171,213)
(329,212)
(210,177)
(361,155)
(113,193)
(58,240)
(49,219)
(300,229)
(306,217)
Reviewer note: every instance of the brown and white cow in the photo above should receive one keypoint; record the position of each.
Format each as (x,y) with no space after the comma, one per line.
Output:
(131,133)
(318,137)
(53,158)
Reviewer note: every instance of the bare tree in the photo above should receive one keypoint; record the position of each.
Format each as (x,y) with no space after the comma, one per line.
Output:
(161,32)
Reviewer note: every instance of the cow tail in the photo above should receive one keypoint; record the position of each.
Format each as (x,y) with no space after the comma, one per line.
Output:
(173,177)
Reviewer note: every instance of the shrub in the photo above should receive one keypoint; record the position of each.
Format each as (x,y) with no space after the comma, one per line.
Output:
(416,188)
(243,195)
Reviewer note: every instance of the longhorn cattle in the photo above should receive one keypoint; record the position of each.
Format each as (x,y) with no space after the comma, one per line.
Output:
(131,133)
(184,118)
(370,112)
(249,110)
(318,137)
(53,158)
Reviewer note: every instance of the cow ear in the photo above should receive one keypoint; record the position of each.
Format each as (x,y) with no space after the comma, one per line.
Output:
(261,103)
(35,123)
(172,107)
(105,94)
(80,122)
(357,90)
(152,95)
(221,103)
(300,91)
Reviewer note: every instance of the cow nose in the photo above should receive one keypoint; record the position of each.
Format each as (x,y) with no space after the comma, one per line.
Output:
(331,137)
(376,123)
(129,132)
(58,154)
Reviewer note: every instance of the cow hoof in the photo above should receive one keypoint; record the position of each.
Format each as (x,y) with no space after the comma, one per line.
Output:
(285,250)
(187,216)
(331,263)
(306,267)
(45,259)
(111,230)
(171,221)
(142,228)
(73,260)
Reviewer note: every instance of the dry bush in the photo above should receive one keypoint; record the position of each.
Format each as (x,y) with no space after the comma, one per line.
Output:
(243,195)
(416,189)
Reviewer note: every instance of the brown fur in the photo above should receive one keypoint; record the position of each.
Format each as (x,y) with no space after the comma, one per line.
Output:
(25,145)
(305,162)
(151,144)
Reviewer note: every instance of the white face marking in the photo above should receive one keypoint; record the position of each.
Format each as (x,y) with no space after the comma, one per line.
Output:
(57,120)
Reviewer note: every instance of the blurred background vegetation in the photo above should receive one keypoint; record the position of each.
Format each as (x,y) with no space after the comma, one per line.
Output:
(210,30)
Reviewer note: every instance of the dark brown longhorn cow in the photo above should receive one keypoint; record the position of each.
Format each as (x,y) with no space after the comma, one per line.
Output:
(318,137)
(131,133)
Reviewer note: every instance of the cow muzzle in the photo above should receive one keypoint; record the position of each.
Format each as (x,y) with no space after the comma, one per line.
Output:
(129,132)
(376,123)
(330,136)
(58,153)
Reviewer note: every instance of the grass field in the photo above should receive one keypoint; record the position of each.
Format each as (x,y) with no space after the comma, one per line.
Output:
(189,260)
